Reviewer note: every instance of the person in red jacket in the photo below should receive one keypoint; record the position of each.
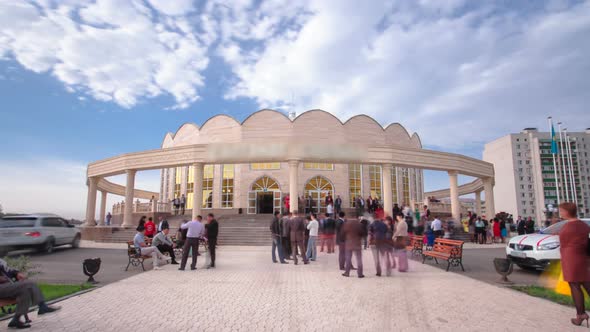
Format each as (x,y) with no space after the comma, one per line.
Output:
(150,228)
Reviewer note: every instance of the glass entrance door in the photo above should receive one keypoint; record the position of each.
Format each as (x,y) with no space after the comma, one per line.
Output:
(318,201)
(252,202)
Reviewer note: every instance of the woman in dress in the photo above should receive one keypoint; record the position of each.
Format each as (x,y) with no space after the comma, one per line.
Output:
(573,239)
(389,242)
(503,230)
(399,237)
(496,230)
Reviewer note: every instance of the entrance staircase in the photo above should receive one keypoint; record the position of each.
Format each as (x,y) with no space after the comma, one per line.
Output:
(235,230)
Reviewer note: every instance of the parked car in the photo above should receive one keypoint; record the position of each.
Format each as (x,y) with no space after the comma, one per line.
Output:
(39,231)
(539,250)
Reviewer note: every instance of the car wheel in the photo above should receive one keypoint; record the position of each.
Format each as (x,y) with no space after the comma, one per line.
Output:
(76,241)
(48,246)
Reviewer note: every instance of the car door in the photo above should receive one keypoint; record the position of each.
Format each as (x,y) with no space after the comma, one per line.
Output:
(48,229)
(68,232)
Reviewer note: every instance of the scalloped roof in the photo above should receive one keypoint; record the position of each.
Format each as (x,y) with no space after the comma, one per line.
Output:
(313,126)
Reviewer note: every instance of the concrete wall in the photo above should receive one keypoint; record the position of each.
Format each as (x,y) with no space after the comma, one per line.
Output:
(500,153)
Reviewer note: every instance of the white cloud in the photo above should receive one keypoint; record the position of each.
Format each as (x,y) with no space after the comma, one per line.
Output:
(456,74)
(175,7)
(116,51)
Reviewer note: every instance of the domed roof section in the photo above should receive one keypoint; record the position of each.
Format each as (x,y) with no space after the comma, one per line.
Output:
(261,125)
(397,135)
(220,129)
(313,126)
(363,128)
(187,134)
(319,126)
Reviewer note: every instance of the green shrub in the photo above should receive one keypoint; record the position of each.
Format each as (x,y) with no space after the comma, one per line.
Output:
(23,264)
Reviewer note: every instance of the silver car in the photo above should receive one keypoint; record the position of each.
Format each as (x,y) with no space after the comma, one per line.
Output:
(39,231)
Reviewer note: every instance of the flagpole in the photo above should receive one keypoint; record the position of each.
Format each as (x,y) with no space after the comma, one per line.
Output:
(571,168)
(561,159)
(550,119)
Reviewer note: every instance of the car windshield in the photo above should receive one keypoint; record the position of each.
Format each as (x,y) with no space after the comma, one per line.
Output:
(556,228)
(17,222)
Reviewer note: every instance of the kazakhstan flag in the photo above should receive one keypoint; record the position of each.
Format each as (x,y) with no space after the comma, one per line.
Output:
(553,141)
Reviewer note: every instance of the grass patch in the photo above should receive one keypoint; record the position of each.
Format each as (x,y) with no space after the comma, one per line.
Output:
(55,291)
(549,294)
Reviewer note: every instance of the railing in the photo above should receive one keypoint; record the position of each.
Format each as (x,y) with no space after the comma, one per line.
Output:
(154,206)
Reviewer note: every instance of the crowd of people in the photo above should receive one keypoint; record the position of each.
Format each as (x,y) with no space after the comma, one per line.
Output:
(190,234)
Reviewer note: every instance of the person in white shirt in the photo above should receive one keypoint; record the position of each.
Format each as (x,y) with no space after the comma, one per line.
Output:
(195,231)
(330,209)
(437,227)
(313,227)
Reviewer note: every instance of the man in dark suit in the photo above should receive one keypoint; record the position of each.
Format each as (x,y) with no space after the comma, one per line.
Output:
(212,228)
(354,232)
(275,231)
(341,241)
(296,227)
(285,236)
(337,205)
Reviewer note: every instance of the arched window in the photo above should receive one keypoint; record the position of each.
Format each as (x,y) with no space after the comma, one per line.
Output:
(265,183)
(316,191)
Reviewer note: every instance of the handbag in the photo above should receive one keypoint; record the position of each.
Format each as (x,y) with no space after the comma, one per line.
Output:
(399,242)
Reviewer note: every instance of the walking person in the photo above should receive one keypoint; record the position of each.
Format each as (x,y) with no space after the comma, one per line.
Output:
(377,232)
(353,232)
(195,230)
(388,245)
(365,223)
(496,230)
(164,244)
(573,240)
(340,240)
(275,231)
(312,249)
(436,227)
(296,228)
(176,204)
(400,236)
(520,226)
(337,205)
(329,230)
(163,223)
(108,219)
(14,284)
(530,226)
(182,204)
(285,236)
(212,229)
(503,230)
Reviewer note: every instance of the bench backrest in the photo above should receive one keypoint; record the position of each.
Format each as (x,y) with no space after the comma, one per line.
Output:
(452,247)
(131,250)
(417,239)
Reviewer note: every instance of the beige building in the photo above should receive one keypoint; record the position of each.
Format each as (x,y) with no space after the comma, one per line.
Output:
(226,165)
(525,177)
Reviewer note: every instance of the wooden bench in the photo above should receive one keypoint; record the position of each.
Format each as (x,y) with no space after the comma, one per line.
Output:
(135,259)
(445,249)
(5,303)
(416,245)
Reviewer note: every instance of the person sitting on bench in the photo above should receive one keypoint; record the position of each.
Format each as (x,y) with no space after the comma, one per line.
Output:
(163,242)
(145,250)
(25,292)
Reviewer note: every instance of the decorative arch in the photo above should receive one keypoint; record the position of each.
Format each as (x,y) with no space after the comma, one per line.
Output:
(265,183)
(316,190)
(319,182)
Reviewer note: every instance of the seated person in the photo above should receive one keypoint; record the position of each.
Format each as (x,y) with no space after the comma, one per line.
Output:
(145,250)
(24,291)
(164,244)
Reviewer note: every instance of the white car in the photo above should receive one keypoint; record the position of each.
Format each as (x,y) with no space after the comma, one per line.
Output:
(536,251)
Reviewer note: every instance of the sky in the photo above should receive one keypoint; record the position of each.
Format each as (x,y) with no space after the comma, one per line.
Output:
(86,80)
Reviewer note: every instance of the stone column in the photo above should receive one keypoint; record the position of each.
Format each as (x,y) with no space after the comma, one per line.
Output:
(293,183)
(129,190)
(387,190)
(478,203)
(103,207)
(454,191)
(198,190)
(412,187)
(91,202)
(488,188)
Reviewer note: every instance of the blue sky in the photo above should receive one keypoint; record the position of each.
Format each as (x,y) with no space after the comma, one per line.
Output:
(86,80)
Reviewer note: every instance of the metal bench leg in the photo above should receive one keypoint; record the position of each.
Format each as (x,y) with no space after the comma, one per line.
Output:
(436,260)
(461,263)
(142,267)
(423,258)
(127,268)
(448,265)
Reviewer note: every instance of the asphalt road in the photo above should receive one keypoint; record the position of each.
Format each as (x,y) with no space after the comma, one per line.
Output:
(65,266)
(478,264)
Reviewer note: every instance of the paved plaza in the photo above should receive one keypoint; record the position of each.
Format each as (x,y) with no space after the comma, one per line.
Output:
(247,292)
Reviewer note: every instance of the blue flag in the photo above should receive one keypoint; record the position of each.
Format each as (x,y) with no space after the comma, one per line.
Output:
(553,141)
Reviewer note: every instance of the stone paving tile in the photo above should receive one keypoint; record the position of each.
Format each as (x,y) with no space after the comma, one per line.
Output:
(247,292)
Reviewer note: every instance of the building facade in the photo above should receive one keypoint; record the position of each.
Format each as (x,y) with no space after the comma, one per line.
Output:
(257,188)
(525,175)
